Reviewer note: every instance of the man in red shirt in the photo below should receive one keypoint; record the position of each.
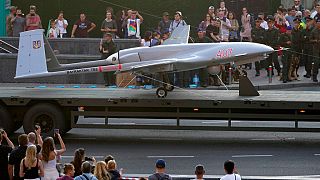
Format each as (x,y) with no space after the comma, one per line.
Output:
(33,20)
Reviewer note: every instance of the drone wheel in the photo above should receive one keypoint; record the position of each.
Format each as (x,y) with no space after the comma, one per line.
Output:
(162,92)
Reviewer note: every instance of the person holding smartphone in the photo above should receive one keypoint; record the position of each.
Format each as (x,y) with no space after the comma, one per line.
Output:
(4,151)
(49,156)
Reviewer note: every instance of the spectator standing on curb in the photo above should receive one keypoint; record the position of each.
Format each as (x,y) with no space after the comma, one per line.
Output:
(160,171)
(264,23)
(177,22)
(33,20)
(245,32)
(225,26)
(205,23)
(199,172)
(223,8)
(18,23)
(234,29)
(231,172)
(68,172)
(112,170)
(30,166)
(50,155)
(9,27)
(298,6)
(53,31)
(86,168)
(82,27)
(164,24)
(109,25)
(211,11)
(62,25)
(100,171)
(16,156)
(133,25)
(4,151)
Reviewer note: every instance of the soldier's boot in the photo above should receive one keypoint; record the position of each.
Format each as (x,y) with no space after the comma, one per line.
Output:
(315,79)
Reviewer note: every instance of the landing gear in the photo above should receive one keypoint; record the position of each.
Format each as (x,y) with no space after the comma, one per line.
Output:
(168,87)
(162,92)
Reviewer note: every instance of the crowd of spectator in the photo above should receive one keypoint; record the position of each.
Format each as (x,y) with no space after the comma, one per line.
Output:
(293,32)
(36,159)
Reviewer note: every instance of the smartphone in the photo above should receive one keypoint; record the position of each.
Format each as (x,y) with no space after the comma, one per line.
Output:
(36,127)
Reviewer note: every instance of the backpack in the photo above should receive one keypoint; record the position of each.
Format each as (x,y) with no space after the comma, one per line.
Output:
(165,177)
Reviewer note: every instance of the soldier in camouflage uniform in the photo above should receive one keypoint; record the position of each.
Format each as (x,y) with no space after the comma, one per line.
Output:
(296,48)
(315,39)
(257,35)
(308,49)
(285,42)
(272,40)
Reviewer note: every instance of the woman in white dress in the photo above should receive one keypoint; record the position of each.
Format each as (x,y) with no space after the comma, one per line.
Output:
(50,155)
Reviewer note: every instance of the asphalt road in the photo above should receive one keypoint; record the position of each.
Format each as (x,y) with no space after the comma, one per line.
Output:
(260,154)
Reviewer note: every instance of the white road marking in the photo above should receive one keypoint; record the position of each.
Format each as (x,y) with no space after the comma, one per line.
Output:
(218,122)
(71,157)
(80,138)
(273,139)
(170,156)
(306,177)
(317,154)
(253,155)
(122,124)
(166,139)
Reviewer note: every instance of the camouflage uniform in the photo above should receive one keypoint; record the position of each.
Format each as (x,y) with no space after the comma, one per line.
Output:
(296,46)
(308,51)
(272,39)
(258,36)
(315,38)
(284,39)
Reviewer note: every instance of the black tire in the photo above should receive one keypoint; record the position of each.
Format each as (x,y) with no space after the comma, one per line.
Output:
(162,92)
(48,116)
(6,121)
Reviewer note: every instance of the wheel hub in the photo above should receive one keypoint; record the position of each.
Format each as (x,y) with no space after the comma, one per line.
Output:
(45,122)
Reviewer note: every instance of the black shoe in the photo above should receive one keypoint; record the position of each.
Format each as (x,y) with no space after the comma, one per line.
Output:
(315,80)
(307,76)
(285,81)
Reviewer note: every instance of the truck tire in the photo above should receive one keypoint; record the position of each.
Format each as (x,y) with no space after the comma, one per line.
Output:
(48,116)
(6,121)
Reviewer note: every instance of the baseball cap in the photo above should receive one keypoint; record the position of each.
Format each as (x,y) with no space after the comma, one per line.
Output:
(165,14)
(270,18)
(160,163)
(298,13)
(211,7)
(180,13)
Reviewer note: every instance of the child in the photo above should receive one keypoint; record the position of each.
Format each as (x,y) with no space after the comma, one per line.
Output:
(230,170)
(53,32)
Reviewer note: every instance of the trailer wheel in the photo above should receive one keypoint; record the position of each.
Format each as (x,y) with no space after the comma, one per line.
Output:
(6,121)
(48,116)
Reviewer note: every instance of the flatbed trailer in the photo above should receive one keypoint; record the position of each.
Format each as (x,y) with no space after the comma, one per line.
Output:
(60,108)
